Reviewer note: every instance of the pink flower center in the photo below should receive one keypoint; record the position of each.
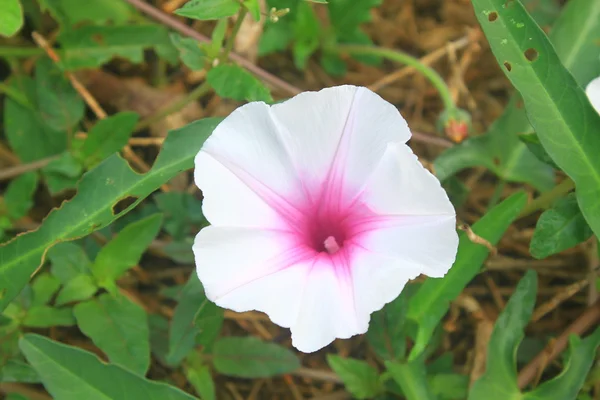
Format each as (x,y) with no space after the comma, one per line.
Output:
(326,231)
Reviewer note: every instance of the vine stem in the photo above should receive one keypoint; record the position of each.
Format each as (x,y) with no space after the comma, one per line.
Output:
(231,39)
(436,80)
(546,199)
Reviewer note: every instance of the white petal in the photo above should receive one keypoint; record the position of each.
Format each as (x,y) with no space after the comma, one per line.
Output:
(417,222)
(347,127)
(593,93)
(248,269)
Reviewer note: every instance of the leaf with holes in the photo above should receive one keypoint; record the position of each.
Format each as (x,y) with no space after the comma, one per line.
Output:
(234,82)
(71,373)
(196,321)
(250,357)
(119,328)
(99,191)
(432,300)
(557,106)
(359,377)
(108,136)
(559,228)
(208,9)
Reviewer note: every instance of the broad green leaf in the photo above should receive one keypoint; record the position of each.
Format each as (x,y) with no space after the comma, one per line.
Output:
(254,7)
(108,136)
(62,173)
(387,331)
(559,228)
(558,108)
(91,46)
(234,82)
(23,125)
(82,287)
(249,357)
(68,261)
(18,197)
(276,37)
(190,52)
(71,373)
(449,386)
(431,302)
(180,210)
(208,9)
(532,141)
(108,185)
(126,249)
(46,317)
(196,321)
(11,17)
(359,377)
(43,288)
(119,328)
(59,104)
(72,12)
(412,378)
(347,15)
(15,370)
(499,382)
(307,32)
(180,251)
(567,385)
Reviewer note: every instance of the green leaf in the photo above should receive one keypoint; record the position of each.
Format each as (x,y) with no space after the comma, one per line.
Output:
(499,150)
(180,252)
(347,15)
(567,385)
(449,386)
(387,331)
(44,287)
(559,228)
(558,108)
(208,9)
(249,357)
(18,197)
(234,82)
(91,46)
(500,378)
(82,287)
(18,371)
(71,373)
(73,12)
(276,37)
(126,249)
(119,328)
(532,141)
(68,261)
(431,302)
(46,317)
(412,378)
(360,378)
(307,32)
(196,321)
(60,105)
(62,173)
(23,125)
(190,52)
(200,378)
(254,7)
(108,136)
(106,186)
(11,17)
(180,210)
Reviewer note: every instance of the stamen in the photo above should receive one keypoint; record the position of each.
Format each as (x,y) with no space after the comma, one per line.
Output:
(331,245)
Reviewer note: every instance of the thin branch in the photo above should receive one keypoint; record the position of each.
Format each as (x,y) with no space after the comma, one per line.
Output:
(12,172)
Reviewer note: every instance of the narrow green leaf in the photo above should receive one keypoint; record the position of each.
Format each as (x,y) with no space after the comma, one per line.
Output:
(499,382)
(18,197)
(307,34)
(68,261)
(108,136)
(15,370)
(249,357)
(449,386)
(71,373)
(82,287)
(196,321)
(73,12)
(360,378)
(234,82)
(126,249)
(119,328)
(432,300)
(254,7)
(11,17)
(46,317)
(558,108)
(567,385)
(190,52)
(200,378)
(44,287)
(60,105)
(101,189)
(412,378)
(208,9)
(559,228)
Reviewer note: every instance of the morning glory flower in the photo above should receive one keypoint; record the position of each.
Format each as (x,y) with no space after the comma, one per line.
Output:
(593,93)
(320,213)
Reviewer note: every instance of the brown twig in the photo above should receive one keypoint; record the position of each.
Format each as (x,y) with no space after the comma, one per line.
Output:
(560,297)
(321,375)
(12,172)
(585,321)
